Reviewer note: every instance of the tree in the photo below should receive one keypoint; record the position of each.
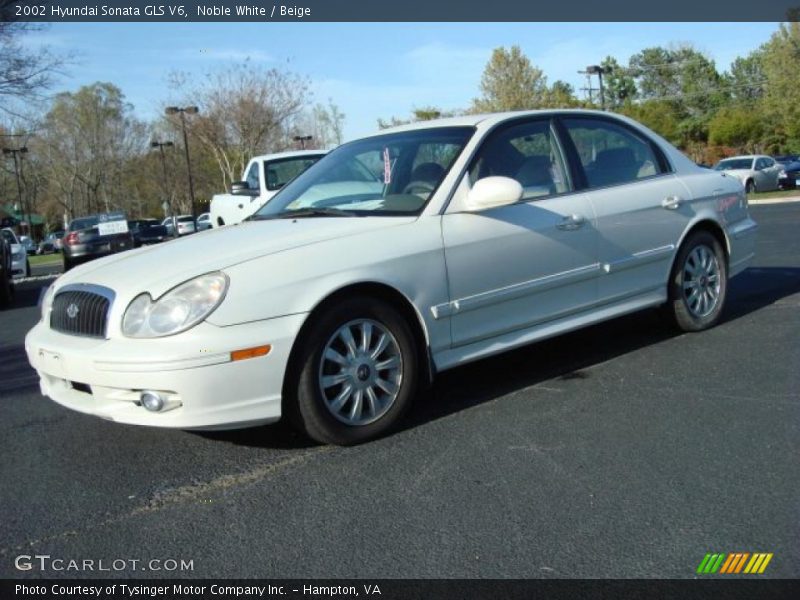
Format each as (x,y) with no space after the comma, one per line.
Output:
(244,111)
(561,95)
(86,141)
(618,85)
(781,63)
(738,127)
(24,73)
(746,78)
(510,82)
(427,113)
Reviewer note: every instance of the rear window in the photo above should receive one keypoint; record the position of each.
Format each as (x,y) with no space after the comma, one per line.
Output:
(84,223)
(732,164)
(185,219)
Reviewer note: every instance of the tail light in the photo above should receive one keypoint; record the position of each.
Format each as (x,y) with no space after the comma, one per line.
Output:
(72,238)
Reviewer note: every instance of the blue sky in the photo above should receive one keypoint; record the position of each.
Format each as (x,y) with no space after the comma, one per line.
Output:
(370,70)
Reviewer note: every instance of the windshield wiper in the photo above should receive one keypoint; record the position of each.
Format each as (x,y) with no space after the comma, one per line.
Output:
(306,212)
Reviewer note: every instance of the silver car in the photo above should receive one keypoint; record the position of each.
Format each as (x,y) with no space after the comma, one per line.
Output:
(757,173)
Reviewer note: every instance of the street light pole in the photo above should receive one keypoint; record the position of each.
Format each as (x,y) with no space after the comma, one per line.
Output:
(599,71)
(167,199)
(14,152)
(182,111)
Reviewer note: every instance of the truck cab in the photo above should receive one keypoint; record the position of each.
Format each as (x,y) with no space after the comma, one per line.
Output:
(262,178)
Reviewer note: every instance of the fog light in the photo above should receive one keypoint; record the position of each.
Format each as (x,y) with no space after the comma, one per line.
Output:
(152,401)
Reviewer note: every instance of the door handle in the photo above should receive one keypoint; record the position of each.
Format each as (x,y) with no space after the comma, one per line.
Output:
(572,222)
(672,202)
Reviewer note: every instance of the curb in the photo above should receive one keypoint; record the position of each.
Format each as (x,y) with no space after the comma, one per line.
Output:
(788,200)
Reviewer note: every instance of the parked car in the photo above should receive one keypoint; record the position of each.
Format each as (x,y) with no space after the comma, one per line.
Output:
(185,224)
(147,231)
(204,222)
(757,173)
(27,243)
(51,243)
(95,236)
(789,175)
(395,257)
(262,178)
(786,158)
(6,280)
(20,267)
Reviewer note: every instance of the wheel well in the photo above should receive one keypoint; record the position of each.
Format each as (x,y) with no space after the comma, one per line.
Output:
(378,291)
(714,229)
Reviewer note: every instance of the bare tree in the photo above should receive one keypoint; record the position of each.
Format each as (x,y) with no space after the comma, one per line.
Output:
(244,111)
(25,73)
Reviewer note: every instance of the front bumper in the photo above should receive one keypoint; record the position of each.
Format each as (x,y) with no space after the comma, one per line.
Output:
(192,370)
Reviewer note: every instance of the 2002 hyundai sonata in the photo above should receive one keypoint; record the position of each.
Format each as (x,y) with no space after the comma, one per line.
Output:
(394,257)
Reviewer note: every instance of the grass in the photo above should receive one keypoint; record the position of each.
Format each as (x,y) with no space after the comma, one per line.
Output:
(778,194)
(46,259)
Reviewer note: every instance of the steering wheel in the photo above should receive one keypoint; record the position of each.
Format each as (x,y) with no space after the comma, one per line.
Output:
(415,187)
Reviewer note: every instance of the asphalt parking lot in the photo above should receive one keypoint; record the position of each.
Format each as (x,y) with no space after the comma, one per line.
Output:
(624,450)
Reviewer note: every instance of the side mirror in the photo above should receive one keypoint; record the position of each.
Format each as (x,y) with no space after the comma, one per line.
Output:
(241,188)
(490,192)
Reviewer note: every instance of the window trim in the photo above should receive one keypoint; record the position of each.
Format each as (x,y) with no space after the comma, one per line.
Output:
(551,121)
(574,156)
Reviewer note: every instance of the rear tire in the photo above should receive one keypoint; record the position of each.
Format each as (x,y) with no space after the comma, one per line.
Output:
(68,264)
(27,268)
(698,283)
(750,187)
(354,374)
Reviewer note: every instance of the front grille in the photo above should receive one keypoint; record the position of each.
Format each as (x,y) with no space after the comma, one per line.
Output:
(79,312)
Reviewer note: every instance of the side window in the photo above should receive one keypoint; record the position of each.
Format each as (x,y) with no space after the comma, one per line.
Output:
(252,177)
(527,152)
(611,154)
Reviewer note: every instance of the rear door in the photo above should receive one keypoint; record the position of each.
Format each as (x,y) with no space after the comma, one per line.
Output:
(641,207)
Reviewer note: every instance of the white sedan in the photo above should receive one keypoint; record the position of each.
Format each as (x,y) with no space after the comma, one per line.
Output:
(757,173)
(396,256)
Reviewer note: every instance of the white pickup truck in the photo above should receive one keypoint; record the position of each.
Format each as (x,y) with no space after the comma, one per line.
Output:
(262,178)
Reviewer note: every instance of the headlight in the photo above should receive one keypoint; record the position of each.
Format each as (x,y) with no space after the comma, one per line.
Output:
(179,309)
(46,300)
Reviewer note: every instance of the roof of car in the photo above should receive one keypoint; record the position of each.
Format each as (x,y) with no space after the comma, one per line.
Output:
(487,119)
(292,154)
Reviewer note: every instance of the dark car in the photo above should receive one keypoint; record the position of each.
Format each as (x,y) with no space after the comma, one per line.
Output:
(6,286)
(147,231)
(786,158)
(789,176)
(95,236)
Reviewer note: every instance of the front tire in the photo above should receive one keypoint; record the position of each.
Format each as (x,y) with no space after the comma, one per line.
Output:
(750,187)
(698,283)
(27,268)
(355,373)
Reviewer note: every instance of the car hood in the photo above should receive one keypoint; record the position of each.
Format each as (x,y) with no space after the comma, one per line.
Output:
(738,173)
(157,269)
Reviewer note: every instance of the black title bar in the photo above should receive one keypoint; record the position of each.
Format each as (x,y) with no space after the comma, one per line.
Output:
(398,10)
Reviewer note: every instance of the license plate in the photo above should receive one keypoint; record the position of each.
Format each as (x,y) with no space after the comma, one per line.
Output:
(51,363)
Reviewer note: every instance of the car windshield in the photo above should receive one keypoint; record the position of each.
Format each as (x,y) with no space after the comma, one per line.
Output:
(731,164)
(388,175)
(8,236)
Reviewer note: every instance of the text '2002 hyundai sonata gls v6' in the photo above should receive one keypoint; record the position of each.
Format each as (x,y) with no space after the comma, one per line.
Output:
(396,256)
